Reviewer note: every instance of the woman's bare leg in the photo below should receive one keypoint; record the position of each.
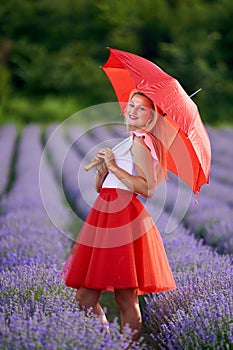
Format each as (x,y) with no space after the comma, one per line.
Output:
(89,298)
(127,301)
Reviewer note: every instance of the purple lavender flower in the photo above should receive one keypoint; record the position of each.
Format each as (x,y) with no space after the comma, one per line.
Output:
(8,135)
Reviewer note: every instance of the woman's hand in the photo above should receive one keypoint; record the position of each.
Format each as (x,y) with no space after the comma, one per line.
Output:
(106,162)
(102,168)
(108,157)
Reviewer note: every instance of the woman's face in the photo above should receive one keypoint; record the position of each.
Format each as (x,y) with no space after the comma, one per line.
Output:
(138,112)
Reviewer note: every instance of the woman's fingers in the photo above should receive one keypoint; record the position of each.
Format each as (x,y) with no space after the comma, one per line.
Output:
(105,152)
(107,155)
(102,169)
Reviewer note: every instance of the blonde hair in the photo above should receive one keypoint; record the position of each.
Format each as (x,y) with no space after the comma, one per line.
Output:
(158,136)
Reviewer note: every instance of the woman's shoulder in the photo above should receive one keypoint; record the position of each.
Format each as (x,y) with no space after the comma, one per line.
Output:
(140,137)
(145,139)
(138,141)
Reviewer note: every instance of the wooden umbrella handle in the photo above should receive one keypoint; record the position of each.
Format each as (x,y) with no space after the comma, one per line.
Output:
(92,164)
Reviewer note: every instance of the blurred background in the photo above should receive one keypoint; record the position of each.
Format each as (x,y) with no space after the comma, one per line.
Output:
(50,53)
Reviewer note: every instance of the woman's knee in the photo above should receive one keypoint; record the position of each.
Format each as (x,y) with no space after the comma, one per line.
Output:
(126,298)
(87,297)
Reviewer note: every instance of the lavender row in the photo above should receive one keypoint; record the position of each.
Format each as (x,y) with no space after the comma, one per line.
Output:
(199,313)
(221,145)
(26,232)
(212,218)
(67,163)
(222,155)
(37,311)
(8,134)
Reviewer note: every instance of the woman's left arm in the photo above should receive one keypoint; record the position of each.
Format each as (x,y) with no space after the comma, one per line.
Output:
(144,181)
(102,172)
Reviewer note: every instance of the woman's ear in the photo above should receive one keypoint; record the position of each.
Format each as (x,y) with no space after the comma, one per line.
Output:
(148,122)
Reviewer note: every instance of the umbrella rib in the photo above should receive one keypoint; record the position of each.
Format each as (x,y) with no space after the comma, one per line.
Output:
(194,93)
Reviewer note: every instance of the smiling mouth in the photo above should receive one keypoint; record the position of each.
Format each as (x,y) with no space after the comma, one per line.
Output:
(132,117)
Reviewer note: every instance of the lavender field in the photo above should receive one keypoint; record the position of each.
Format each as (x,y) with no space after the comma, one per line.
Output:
(44,196)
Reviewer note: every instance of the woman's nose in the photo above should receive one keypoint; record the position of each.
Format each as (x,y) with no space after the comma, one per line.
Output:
(134,110)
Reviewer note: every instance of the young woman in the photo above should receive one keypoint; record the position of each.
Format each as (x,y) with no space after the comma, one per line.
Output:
(119,247)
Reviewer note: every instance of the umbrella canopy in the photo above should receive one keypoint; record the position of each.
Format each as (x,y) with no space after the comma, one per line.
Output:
(187,140)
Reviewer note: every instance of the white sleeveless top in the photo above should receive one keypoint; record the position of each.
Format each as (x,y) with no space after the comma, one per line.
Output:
(124,160)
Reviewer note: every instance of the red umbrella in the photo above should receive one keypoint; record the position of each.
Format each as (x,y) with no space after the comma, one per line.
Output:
(188,142)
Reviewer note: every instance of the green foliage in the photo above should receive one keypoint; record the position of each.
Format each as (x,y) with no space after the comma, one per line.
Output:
(4,89)
(55,47)
(197,58)
(49,108)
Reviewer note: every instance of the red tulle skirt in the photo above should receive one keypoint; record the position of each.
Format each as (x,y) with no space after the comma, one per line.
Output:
(118,247)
